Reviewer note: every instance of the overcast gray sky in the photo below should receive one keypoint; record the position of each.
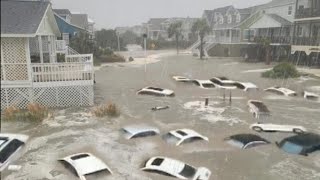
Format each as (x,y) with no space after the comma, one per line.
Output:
(113,13)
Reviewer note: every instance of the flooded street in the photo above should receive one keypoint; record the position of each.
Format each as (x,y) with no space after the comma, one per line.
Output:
(75,130)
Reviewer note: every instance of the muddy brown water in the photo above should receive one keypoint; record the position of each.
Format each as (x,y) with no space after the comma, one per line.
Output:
(74,130)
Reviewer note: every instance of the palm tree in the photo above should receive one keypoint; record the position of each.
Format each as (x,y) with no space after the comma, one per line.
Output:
(265,43)
(175,30)
(202,28)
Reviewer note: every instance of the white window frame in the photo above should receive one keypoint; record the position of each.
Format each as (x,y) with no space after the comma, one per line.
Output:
(229,18)
(238,18)
(290,10)
(220,19)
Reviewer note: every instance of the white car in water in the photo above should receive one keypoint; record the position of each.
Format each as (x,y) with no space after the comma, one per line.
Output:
(258,108)
(281,91)
(259,127)
(224,83)
(310,95)
(155,91)
(84,164)
(136,131)
(10,146)
(246,86)
(205,84)
(180,136)
(175,168)
(182,79)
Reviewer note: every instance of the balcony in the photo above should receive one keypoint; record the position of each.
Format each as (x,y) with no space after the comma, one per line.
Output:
(77,70)
(303,13)
(274,39)
(306,41)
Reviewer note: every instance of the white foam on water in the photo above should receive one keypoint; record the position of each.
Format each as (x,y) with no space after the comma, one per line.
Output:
(210,113)
(304,78)
(291,170)
(277,97)
(314,88)
(256,70)
(230,64)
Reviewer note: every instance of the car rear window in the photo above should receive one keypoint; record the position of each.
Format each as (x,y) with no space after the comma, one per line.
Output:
(3,140)
(188,171)
(181,133)
(292,148)
(79,156)
(157,162)
(8,150)
(207,85)
(157,89)
(144,134)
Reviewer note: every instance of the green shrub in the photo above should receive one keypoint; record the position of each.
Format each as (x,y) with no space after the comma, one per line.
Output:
(282,71)
(112,58)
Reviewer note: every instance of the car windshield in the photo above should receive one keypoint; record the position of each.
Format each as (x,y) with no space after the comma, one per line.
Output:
(188,171)
(292,148)
(9,149)
(74,72)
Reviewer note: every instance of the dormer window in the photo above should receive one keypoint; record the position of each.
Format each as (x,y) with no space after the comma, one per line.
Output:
(220,19)
(229,18)
(238,18)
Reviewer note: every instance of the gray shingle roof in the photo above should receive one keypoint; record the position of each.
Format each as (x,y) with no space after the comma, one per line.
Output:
(62,11)
(21,17)
(80,20)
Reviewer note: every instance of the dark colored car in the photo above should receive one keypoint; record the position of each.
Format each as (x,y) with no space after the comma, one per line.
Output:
(245,141)
(302,144)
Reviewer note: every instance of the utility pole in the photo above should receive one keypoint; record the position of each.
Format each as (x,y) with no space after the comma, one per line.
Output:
(118,35)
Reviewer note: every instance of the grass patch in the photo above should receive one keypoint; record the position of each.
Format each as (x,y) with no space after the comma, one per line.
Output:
(34,112)
(282,71)
(109,109)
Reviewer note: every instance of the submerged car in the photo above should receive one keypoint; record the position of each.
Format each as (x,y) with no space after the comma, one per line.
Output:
(224,82)
(180,136)
(281,91)
(246,86)
(204,84)
(137,131)
(258,108)
(10,146)
(259,127)
(310,95)
(84,164)
(175,168)
(182,79)
(302,144)
(245,141)
(155,91)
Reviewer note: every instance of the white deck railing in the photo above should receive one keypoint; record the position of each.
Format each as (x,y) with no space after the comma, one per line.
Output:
(76,68)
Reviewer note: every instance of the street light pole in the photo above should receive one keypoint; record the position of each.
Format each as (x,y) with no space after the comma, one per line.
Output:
(145,52)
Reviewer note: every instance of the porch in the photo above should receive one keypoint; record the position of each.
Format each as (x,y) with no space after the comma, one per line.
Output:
(30,72)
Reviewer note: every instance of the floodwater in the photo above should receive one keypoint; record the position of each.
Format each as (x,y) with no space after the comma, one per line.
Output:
(75,130)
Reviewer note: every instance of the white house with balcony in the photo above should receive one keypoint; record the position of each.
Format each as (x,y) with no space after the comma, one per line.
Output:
(29,68)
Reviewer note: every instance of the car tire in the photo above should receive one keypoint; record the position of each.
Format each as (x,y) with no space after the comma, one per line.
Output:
(257,128)
(298,131)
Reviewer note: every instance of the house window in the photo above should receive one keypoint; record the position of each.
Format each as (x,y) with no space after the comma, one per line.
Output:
(238,19)
(248,34)
(290,10)
(229,18)
(299,31)
(228,33)
(221,20)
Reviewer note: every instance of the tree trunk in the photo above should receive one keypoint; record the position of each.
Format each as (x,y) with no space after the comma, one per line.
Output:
(201,47)
(268,55)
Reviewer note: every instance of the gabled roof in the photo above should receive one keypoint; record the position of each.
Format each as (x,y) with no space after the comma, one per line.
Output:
(280,19)
(80,20)
(156,23)
(62,19)
(22,17)
(62,11)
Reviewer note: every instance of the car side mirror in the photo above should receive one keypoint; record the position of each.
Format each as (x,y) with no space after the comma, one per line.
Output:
(277,143)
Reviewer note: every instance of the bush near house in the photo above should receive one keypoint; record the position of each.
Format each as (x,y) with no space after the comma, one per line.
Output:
(282,71)
(34,112)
